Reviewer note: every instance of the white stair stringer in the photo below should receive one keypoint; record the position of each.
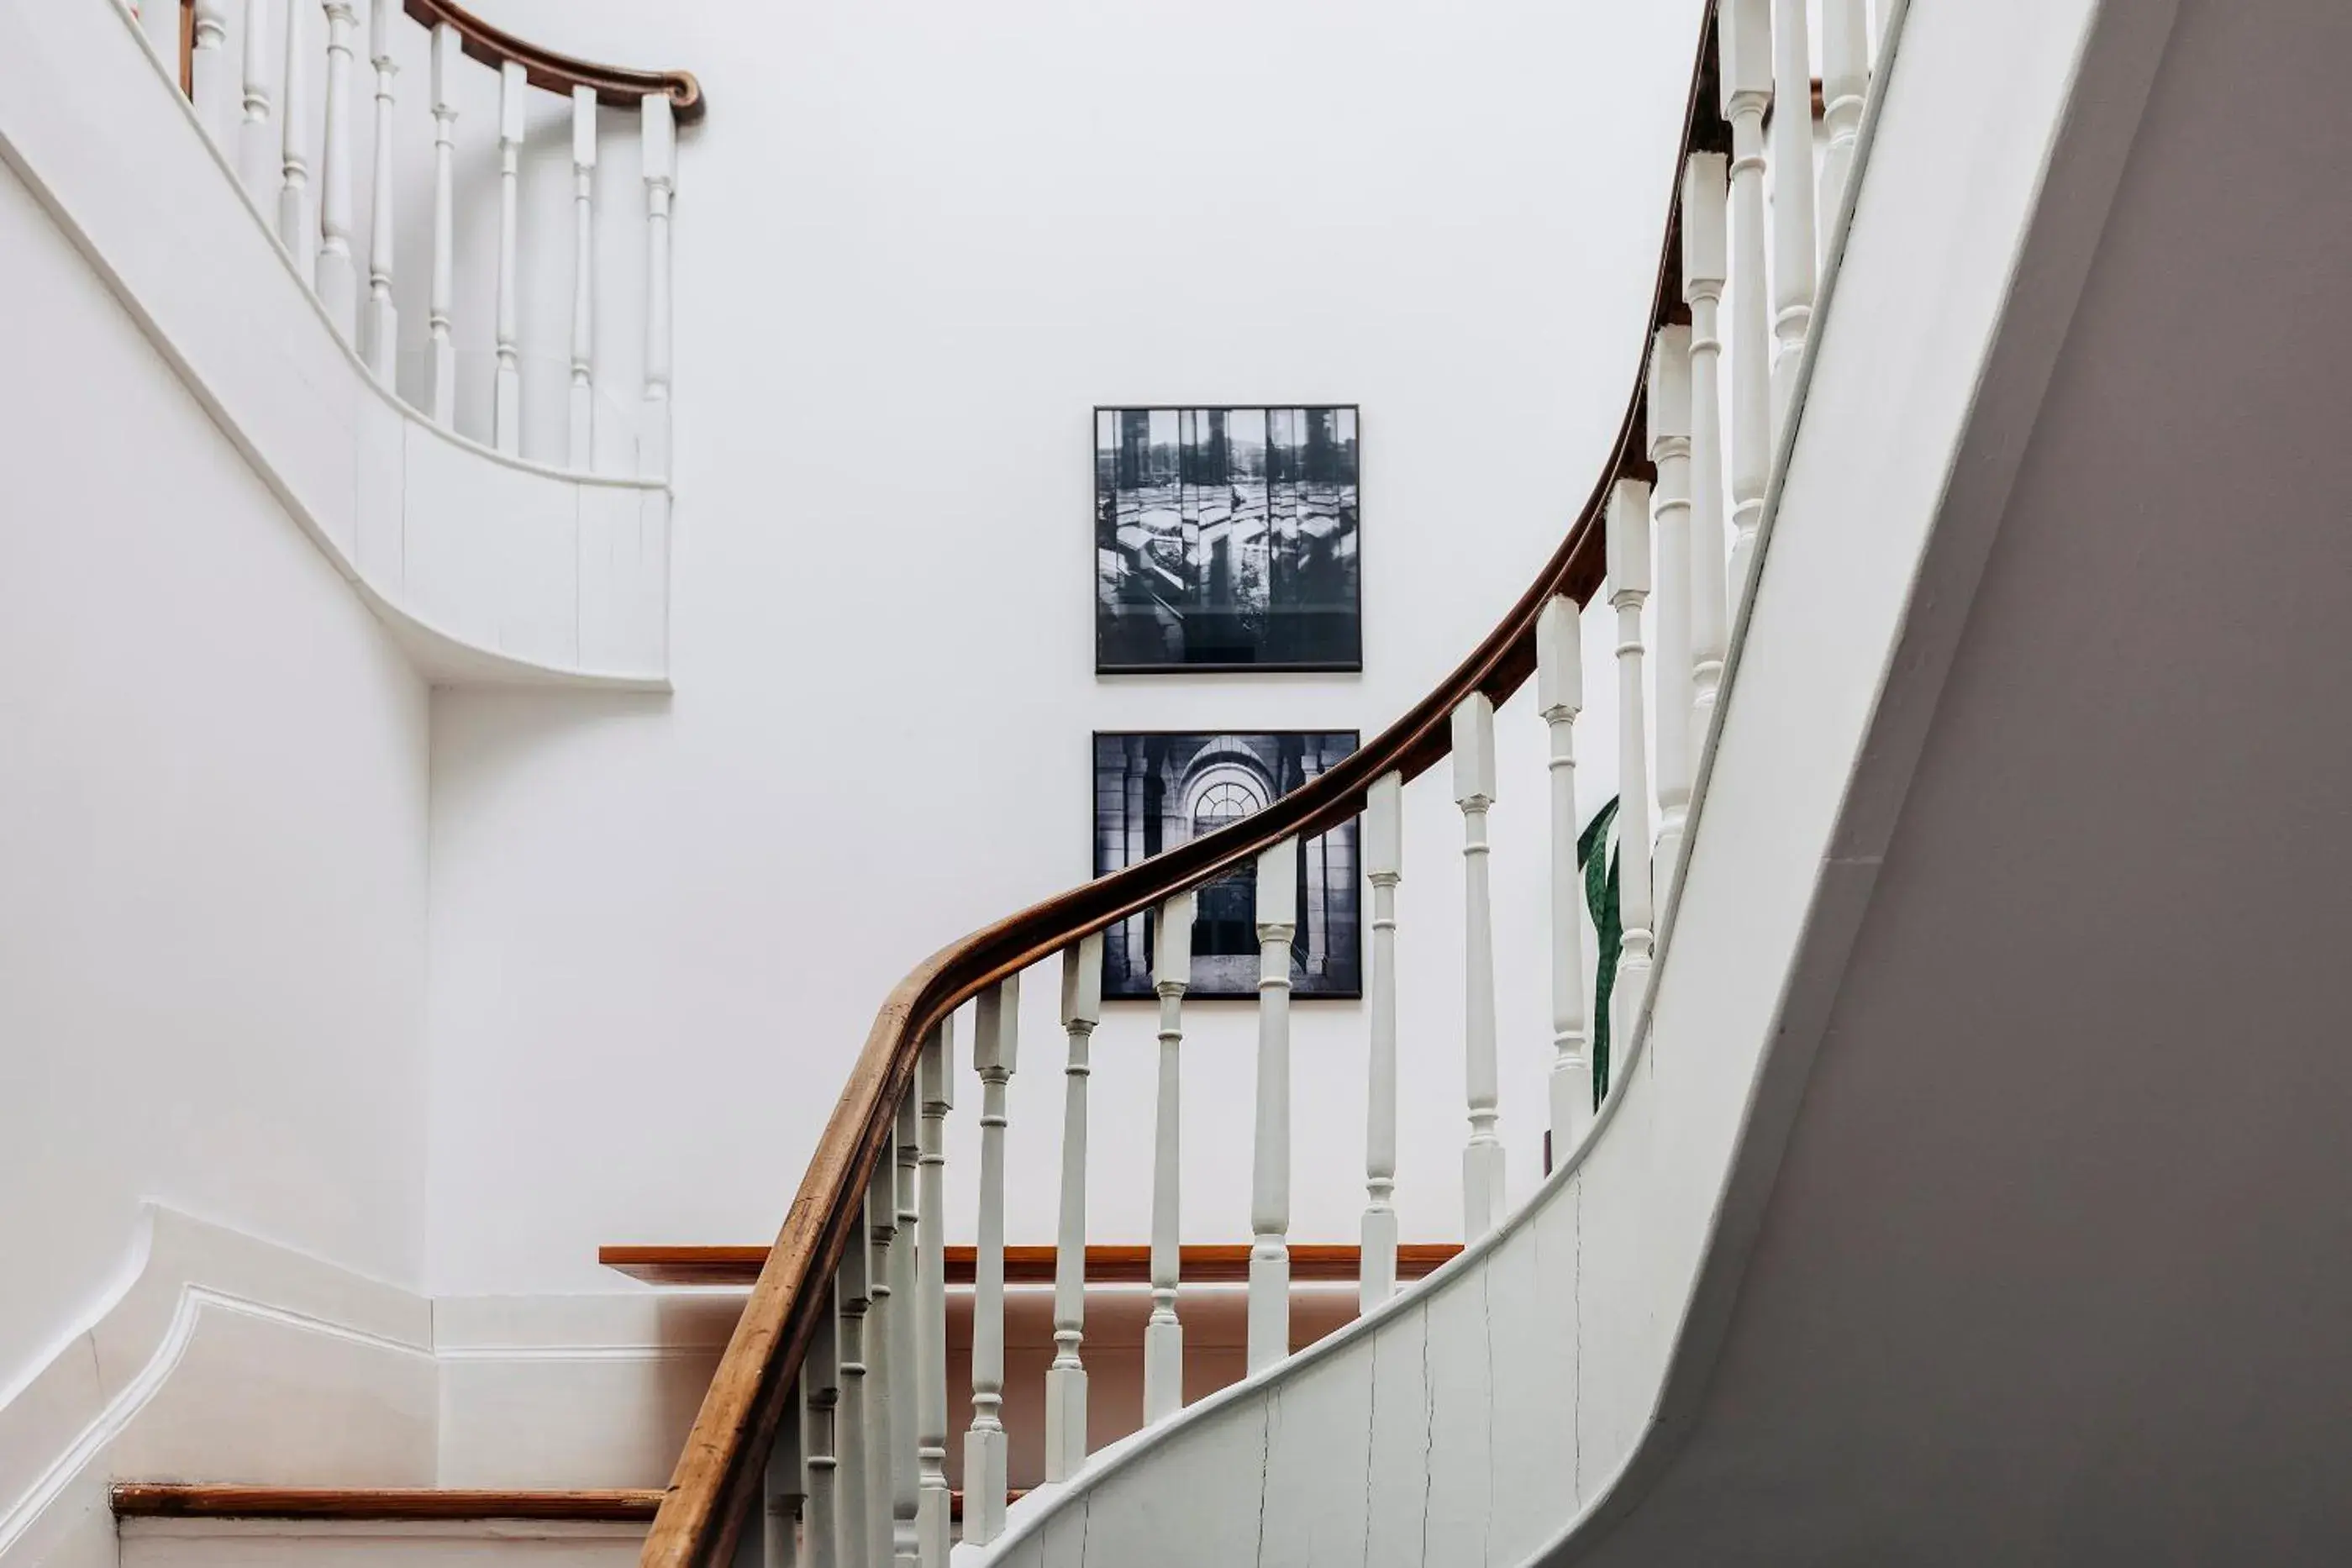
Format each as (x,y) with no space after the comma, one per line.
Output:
(379,1543)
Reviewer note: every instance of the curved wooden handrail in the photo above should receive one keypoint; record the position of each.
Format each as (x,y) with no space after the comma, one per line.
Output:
(720,1468)
(616,85)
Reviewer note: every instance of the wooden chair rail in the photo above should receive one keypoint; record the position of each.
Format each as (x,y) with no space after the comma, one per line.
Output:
(211,1500)
(719,1471)
(618,85)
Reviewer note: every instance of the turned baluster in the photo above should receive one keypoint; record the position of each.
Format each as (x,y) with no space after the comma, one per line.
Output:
(881,1338)
(787,1483)
(1746,33)
(1065,1380)
(1385,864)
(1628,586)
(1163,1336)
(1670,449)
(382,333)
(294,126)
(260,158)
(1269,1264)
(906,1331)
(213,86)
(1846,77)
(852,1513)
(337,278)
(1473,791)
(820,1391)
(1560,697)
(985,1459)
(1703,277)
(506,410)
(441,350)
(660,137)
(583,448)
(1793,201)
(935,1081)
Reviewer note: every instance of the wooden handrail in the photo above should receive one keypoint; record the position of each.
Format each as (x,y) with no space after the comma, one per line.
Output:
(721,1466)
(618,85)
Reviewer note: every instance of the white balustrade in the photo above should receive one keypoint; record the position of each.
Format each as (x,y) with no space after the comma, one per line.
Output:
(1163,1336)
(1670,451)
(1746,57)
(442,350)
(260,159)
(786,1491)
(213,86)
(382,328)
(906,1327)
(1376,1269)
(1473,791)
(338,276)
(1845,78)
(1269,1264)
(582,451)
(1560,697)
(1793,201)
(935,1083)
(506,415)
(821,1395)
(1628,586)
(660,139)
(1065,1380)
(882,1228)
(1703,200)
(294,141)
(854,1511)
(996,1037)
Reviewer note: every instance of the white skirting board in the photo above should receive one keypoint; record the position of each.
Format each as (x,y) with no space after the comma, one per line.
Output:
(357,1544)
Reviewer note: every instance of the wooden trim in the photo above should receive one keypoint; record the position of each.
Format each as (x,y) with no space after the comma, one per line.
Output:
(619,86)
(1310,1263)
(719,1471)
(203,1499)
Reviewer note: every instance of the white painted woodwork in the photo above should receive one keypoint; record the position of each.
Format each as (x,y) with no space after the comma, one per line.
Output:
(1065,1380)
(1376,1278)
(1845,78)
(213,84)
(338,269)
(381,327)
(1560,697)
(1473,791)
(786,1491)
(935,1083)
(995,1037)
(659,136)
(441,350)
(1163,1336)
(1670,451)
(581,450)
(853,1431)
(906,1327)
(506,416)
(1704,265)
(294,229)
(259,158)
(1628,586)
(1269,1264)
(1794,266)
(821,1396)
(882,1232)
(1747,58)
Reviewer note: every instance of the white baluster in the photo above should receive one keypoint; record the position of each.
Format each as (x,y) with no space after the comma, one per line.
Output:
(787,1484)
(820,1388)
(213,86)
(1163,1336)
(935,1081)
(1846,77)
(260,159)
(906,1329)
(660,134)
(338,275)
(1065,1380)
(582,449)
(1385,864)
(506,411)
(382,333)
(442,351)
(1746,37)
(985,1459)
(1629,584)
(1560,697)
(1670,449)
(294,187)
(1269,1266)
(1703,276)
(1792,199)
(1474,791)
(881,1336)
(855,1477)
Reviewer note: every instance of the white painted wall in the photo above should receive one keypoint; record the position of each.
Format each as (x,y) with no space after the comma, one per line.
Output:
(212,792)
(916,243)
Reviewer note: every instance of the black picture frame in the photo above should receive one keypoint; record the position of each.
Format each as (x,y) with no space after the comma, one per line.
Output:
(1228,537)
(1152,786)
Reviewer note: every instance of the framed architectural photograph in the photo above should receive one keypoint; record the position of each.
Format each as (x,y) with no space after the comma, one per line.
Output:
(1155,789)
(1226,539)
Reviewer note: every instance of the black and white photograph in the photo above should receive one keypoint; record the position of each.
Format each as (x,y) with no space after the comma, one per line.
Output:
(1154,790)
(1226,539)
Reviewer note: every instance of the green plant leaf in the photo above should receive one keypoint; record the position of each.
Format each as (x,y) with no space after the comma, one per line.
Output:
(1600,898)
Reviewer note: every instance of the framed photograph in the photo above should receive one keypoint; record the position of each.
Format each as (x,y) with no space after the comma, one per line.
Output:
(1154,789)
(1226,539)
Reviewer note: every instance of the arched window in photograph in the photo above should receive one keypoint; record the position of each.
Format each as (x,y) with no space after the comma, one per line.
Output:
(1225,924)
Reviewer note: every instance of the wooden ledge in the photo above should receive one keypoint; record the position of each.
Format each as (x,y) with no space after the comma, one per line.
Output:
(202,1500)
(1310,1264)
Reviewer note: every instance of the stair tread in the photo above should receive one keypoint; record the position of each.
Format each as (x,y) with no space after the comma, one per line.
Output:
(210,1499)
(1311,1263)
